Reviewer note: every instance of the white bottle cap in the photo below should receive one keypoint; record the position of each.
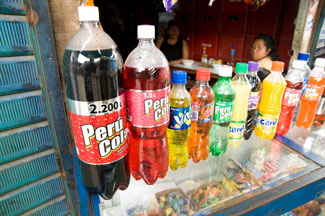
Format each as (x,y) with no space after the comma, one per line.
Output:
(88,13)
(146,31)
(298,64)
(225,71)
(320,62)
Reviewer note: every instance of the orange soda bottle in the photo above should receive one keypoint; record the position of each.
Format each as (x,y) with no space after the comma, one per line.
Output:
(270,105)
(202,109)
(310,99)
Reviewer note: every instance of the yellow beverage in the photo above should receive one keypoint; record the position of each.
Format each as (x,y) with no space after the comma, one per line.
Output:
(270,105)
(242,91)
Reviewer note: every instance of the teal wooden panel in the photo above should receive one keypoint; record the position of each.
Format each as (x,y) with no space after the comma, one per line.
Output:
(58,209)
(12,7)
(14,38)
(31,196)
(18,143)
(18,74)
(26,171)
(21,109)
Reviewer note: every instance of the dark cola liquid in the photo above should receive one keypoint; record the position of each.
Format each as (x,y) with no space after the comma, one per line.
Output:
(255,83)
(94,76)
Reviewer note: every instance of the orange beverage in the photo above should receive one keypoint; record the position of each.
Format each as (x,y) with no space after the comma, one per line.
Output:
(270,105)
(310,99)
(202,109)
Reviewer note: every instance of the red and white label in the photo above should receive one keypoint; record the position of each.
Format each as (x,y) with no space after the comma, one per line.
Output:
(291,97)
(148,108)
(99,130)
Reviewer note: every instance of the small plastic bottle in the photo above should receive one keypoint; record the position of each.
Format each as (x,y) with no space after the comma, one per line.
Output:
(231,61)
(242,92)
(204,57)
(305,57)
(178,129)
(202,109)
(224,93)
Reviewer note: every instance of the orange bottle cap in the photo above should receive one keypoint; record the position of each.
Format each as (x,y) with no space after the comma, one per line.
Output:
(277,66)
(203,74)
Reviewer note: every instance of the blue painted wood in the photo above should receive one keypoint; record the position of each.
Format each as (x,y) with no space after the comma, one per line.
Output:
(95,204)
(314,157)
(31,196)
(21,109)
(12,7)
(52,91)
(27,170)
(22,142)
(18,74)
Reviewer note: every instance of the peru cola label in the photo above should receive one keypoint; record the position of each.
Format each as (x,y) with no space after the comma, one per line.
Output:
(148,108)
(99,130)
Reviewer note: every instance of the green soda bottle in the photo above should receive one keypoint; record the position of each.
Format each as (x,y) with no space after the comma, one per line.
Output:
(223,111)
(180,121)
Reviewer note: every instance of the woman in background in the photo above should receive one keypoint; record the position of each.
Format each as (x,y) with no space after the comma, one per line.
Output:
(172,45)
(264,52)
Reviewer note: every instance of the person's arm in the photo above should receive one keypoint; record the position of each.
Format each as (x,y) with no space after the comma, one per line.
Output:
(186,54)
(159,42)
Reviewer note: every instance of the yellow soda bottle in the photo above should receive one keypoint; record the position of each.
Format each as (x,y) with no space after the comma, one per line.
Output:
(180,121)
(270,106)
(242,92)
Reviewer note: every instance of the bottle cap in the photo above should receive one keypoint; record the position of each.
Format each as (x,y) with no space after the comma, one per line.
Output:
(277,66)
(225,71)
(203,74)
(252,66)
(88,13)
(303,56)
(299,64)
(241,68)
(146,31)
(179,77)
(320,62)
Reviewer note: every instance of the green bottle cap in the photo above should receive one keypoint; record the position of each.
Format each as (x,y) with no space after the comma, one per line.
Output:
(241,68)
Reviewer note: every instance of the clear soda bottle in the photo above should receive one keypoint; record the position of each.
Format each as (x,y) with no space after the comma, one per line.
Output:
(92,68)
(254,98)
(242,92)
(202,109)
(305,58)
(291,96)
(311,97)
(146,80)
(180,121)
(224,93)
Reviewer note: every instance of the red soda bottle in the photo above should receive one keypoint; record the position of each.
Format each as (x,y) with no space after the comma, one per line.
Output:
(291,96)
(92,67)
(146,80)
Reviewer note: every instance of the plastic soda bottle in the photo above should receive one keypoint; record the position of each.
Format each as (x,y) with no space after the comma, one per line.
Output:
(202,109)
(92,67)
(310,99)
(242,92)
(305,57)
(146,79)
(224,93)
(291,96)
(320,114)
(254,98)
(180,121)
(270,105)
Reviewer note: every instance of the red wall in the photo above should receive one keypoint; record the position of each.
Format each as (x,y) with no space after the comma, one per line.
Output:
(232,22)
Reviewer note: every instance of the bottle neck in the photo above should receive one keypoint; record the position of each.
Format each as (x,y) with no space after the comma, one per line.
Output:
(146,42)
(89,24)
(252,73)
(222,78)
(177,86)
(202,82)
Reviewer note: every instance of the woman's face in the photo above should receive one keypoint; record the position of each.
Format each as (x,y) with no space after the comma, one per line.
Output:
(173,32)
(259,50)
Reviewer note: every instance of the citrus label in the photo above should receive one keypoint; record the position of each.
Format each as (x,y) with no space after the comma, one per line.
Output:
(236,129)
(267,123)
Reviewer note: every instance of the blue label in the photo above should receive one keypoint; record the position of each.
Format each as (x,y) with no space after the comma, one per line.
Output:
(305,85)
(180,118)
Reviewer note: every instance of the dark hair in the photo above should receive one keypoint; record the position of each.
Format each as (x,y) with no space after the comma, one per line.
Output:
(172,23)
(269,43)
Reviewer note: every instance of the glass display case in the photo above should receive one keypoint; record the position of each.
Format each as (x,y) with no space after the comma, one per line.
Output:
(244,179)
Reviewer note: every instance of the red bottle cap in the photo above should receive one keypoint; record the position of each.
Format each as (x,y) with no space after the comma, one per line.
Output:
(277,66)
(203,74)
